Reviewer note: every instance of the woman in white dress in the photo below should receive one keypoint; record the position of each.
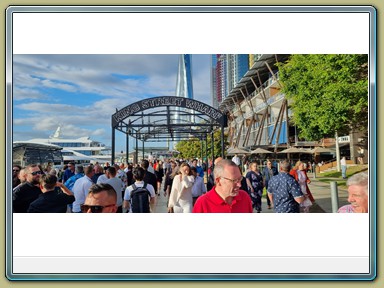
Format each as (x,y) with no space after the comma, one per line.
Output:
(180,199)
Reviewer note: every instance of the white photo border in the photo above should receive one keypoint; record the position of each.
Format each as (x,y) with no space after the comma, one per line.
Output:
(13,47)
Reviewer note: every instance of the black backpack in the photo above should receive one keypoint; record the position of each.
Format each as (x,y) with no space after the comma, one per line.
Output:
(140,199)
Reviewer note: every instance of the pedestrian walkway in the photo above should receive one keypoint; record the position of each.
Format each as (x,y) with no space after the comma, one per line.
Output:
(161,203)
(321,191)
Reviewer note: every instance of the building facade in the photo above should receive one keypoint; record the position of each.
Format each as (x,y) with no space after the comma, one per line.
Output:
(258,112)
(250,94)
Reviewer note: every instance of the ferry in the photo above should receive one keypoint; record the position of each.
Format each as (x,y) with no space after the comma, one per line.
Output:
(78,150)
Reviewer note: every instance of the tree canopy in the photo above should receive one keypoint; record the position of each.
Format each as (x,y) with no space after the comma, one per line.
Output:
(327,93)
(192,148)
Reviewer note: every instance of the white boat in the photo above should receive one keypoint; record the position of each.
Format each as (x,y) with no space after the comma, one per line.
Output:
(79,150)
(76,157)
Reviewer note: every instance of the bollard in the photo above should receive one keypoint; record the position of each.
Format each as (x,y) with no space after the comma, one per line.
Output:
(334,197)
(314,171)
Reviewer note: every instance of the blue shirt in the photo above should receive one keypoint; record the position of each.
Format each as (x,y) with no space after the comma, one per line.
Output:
(284,189)
(268,174)
(71,181)
(198,187)
(200,171)
(67,174)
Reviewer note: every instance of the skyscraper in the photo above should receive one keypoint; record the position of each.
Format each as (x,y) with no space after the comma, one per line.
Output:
(226,71)
(184,87)
(237,66)
(218,78)
(215,100)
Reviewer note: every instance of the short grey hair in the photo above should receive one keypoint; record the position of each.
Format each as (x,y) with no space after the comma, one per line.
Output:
(285,165)
(359,179)
(220,167)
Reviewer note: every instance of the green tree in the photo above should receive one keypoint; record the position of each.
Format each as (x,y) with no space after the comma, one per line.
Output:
(191,148)
(327,93)
(216,143)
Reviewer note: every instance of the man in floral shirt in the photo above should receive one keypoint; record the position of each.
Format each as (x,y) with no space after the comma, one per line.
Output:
(284,191)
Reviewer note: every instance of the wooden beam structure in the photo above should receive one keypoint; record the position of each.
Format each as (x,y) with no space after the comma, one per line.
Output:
(281,124)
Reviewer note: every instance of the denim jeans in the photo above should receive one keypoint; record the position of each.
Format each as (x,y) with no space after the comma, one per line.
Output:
(344,171)
(268,200)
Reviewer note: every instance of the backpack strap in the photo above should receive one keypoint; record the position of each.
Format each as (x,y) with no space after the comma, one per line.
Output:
(133,189)
(145,187)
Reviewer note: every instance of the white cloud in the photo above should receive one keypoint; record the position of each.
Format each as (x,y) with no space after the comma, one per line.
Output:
(73,131)
(99,132)
(94,73)
(113,81)
(45,117)
(105,108)
(27,93)
(48,108)
(56,85)
(45,124)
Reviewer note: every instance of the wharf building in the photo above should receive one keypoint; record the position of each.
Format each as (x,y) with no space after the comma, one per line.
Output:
(247,88)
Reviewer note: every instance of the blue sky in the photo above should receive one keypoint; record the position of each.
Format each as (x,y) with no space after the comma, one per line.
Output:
(81,92)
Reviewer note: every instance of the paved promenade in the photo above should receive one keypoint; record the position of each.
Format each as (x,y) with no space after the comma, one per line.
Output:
(321,192)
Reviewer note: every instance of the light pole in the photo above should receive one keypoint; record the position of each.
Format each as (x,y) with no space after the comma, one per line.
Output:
(337,152)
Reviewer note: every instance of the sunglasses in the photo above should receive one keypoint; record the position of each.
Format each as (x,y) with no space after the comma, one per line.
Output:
(37,173)
(94,208)
(16,170)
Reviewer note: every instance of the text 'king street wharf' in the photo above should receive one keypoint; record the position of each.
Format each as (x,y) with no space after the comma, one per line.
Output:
(167,101)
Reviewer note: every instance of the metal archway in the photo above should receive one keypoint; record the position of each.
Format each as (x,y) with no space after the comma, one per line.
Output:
(167,118)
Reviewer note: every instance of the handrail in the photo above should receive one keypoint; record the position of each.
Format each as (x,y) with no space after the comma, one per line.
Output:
(328,164)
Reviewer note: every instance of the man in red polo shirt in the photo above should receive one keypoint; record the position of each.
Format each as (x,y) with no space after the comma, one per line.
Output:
(225,196)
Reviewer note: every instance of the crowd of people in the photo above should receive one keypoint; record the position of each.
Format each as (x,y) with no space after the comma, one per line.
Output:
(222,187)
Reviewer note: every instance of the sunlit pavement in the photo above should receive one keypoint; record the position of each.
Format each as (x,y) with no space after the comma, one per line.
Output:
(321,192)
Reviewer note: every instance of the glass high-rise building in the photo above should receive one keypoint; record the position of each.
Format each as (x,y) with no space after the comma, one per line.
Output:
(241,66)
(218,78)
(215,101)
(184,86)
(226,71)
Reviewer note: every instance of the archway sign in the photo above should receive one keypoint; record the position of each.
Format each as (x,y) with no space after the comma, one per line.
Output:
(167,118)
